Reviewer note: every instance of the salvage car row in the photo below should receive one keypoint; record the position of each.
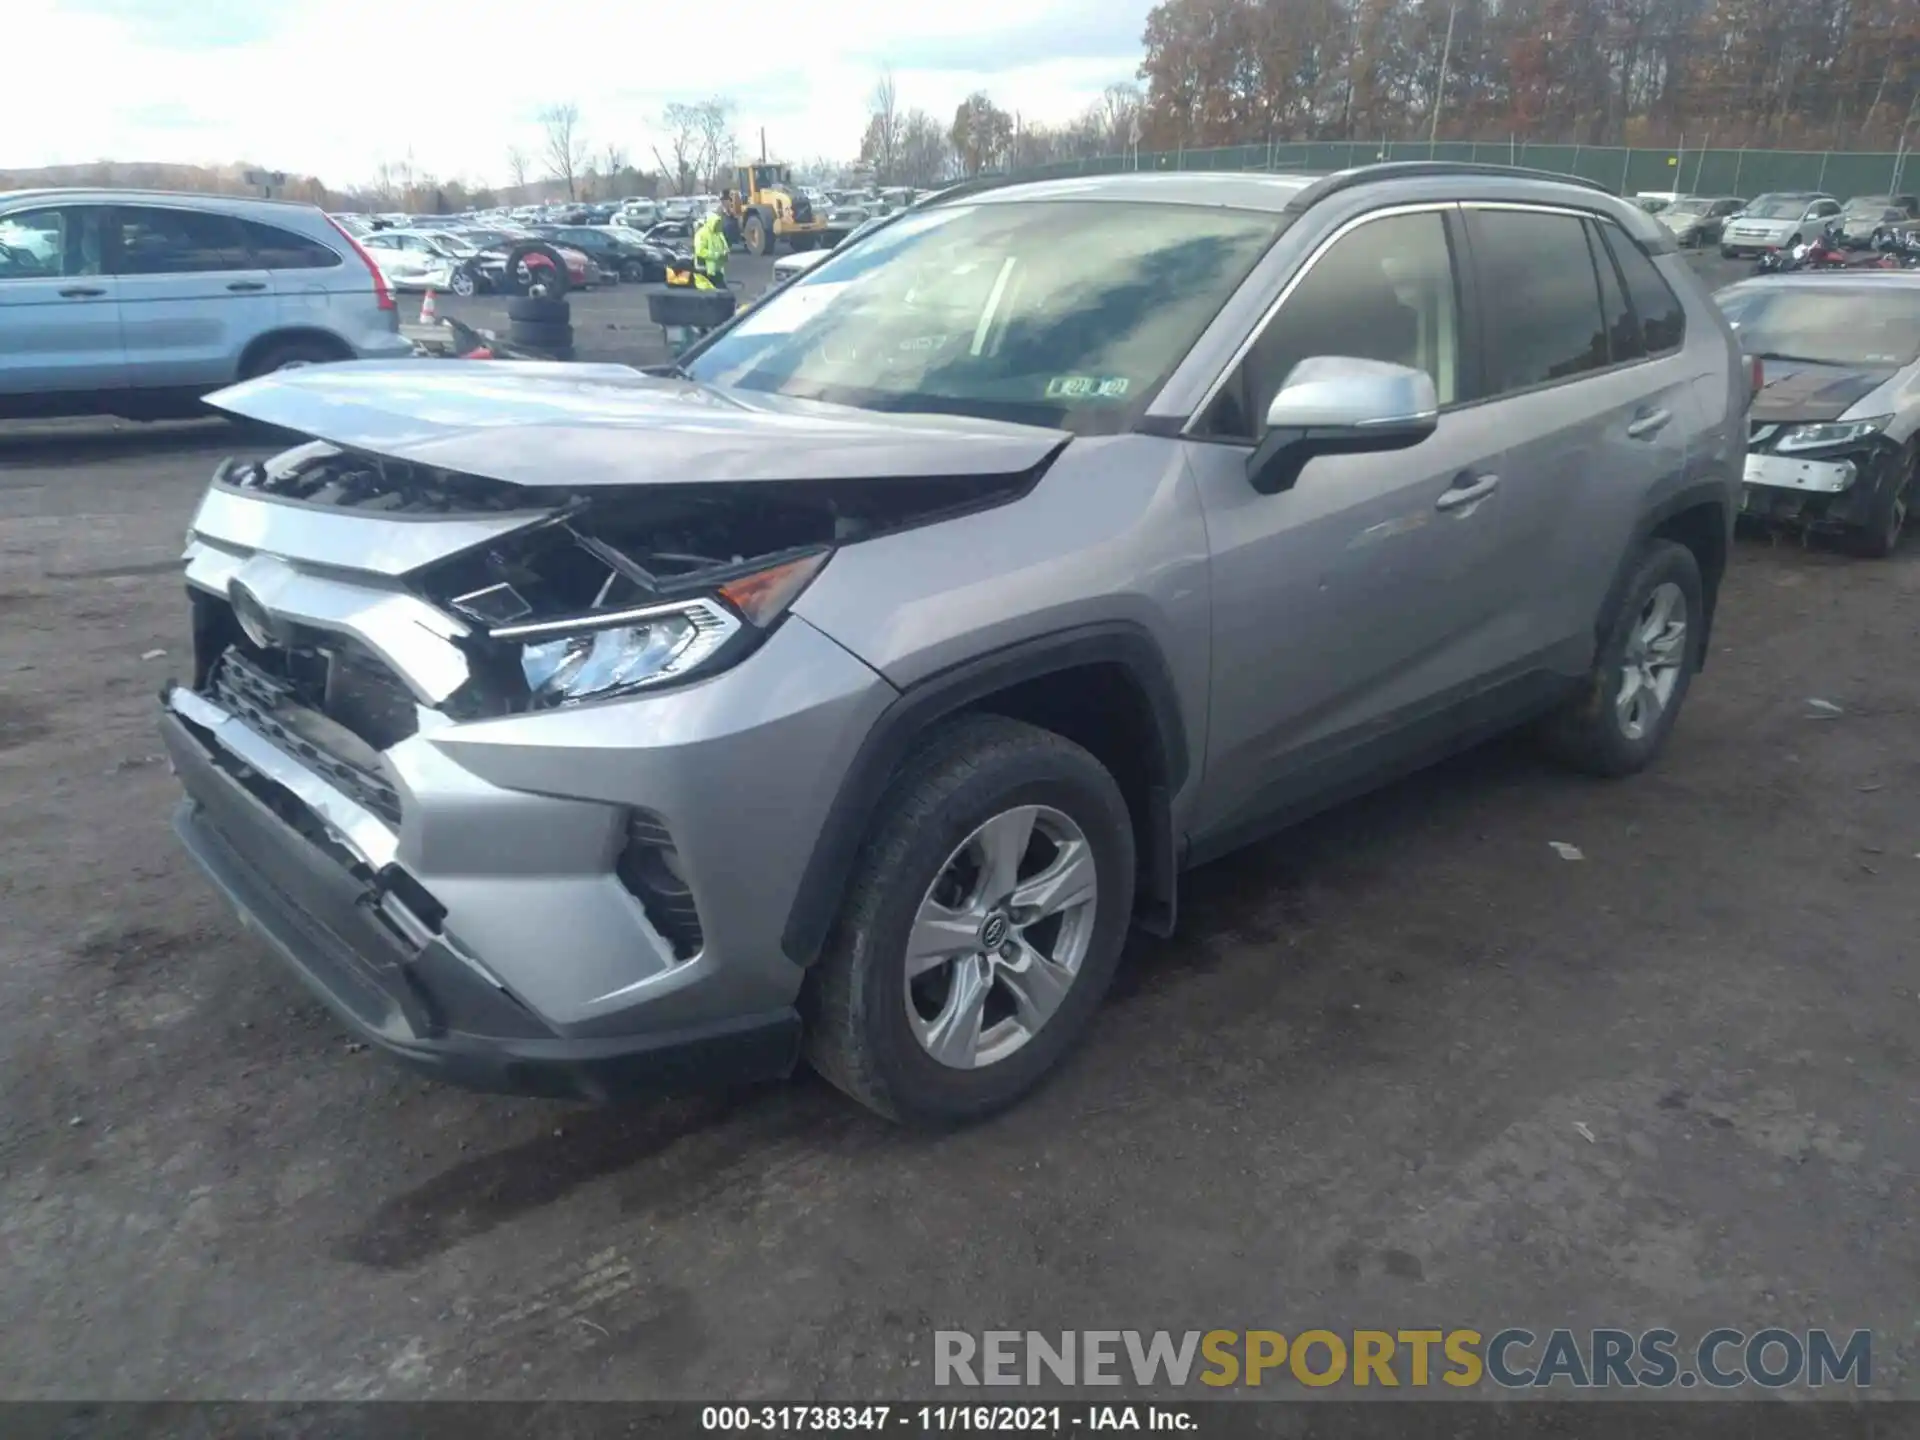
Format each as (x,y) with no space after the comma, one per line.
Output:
(1781,219)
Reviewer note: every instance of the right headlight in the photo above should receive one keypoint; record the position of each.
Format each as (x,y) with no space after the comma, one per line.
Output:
(1836,432)
(598,656)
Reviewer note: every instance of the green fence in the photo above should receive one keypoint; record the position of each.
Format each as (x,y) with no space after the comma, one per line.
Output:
(1707,172)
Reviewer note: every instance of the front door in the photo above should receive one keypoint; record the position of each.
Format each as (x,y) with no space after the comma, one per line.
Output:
(1376,591)
(59,310)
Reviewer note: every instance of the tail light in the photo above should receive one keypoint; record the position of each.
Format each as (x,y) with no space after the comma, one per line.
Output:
(381,293)
(1756,376)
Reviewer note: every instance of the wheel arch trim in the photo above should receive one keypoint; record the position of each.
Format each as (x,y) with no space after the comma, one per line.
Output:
(929,701)
(285,335)
(1706,493)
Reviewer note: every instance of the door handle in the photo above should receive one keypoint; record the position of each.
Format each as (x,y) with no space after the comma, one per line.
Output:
(247,285)
(1466,489)
(82,292)
(1649,422)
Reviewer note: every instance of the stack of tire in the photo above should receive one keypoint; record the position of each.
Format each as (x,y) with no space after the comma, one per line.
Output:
(538,315)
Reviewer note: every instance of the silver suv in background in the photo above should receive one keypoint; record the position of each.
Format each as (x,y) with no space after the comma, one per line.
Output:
(851,687)
(139,303)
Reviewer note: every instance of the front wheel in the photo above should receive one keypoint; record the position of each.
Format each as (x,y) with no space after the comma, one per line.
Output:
(1616,722)
(1887,516)
(755,233)
(982,926)
(463,283)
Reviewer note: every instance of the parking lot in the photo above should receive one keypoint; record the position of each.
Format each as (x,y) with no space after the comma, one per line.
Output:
(1405,1065)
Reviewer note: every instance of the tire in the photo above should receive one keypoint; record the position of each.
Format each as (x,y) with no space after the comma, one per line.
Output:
(758,238)
(977,769)
(552,276)
(1594,731)
(1727,252)
(290,355)
(540,337)
(465,284)
(539,310)
(1886,521)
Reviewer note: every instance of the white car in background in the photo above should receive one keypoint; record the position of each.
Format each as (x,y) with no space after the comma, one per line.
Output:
(789,267)
(410,260)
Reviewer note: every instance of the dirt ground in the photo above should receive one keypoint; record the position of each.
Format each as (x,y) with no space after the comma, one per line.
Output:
(1403,1066)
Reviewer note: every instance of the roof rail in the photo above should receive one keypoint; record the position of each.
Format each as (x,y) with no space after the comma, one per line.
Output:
(1414,169)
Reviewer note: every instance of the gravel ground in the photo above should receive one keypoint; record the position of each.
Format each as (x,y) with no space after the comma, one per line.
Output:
(1403,1066)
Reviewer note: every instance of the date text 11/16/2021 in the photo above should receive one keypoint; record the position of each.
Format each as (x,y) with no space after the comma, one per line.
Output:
(941,1419)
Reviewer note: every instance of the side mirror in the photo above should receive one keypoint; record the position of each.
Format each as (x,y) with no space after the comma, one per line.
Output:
(1340,405)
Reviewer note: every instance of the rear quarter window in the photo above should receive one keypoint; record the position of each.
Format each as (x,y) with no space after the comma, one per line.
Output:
(277,249)
(1662,318)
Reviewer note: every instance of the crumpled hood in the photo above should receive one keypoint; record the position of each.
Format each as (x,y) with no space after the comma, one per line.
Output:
(1799,391)
(573,426)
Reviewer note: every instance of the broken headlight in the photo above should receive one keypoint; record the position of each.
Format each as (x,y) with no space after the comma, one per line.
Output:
(606,653)
(1837,432)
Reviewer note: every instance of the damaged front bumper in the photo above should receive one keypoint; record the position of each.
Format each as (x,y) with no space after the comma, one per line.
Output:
(376,948)
(578,901)
(1827,491)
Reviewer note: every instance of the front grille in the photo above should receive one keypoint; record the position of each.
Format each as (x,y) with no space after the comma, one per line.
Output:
(272,707)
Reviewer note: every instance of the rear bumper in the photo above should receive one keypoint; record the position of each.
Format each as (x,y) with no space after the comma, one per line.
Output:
(410,990)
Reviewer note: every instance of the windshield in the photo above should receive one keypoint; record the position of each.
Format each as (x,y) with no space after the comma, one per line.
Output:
(1778,207)
(1060,313)
(1879,326)
(1866,205)
(1688,209)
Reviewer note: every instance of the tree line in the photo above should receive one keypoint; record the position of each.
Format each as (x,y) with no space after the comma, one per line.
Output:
(1781,74)
(908,146)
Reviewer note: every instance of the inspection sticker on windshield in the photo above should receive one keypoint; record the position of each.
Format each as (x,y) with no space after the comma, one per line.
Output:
(1087,387)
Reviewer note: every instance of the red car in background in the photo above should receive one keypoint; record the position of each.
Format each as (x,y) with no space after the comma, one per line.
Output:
(490,265)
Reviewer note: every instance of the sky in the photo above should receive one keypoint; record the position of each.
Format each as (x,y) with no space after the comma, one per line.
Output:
(335,87)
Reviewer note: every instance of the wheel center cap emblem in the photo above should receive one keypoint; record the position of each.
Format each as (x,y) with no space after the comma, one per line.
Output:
(993,934)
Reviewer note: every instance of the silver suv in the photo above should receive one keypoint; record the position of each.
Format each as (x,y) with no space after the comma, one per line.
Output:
(138,303)
(849,689)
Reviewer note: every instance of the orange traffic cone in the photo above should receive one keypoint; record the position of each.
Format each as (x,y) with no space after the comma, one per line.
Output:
(428,315)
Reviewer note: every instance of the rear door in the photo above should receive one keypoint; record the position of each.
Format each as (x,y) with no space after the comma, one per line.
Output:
(1591,423)
(192,295)
(305,275)
(59,310)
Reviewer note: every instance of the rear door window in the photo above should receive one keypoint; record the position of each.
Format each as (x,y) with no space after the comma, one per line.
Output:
(156,241)
(1540,296)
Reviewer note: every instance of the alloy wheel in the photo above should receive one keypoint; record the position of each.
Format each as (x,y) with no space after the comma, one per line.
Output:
(1656,649)
(1000,936)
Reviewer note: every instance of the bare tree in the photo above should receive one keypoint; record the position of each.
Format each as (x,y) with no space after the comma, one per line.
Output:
(885,124)
(717,145)
(517,167)
(982,133)
(566,148)
(1119,108)
(924,150)
(681,122)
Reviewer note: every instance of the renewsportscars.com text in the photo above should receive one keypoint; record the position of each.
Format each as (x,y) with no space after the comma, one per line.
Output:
(1512,1359)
